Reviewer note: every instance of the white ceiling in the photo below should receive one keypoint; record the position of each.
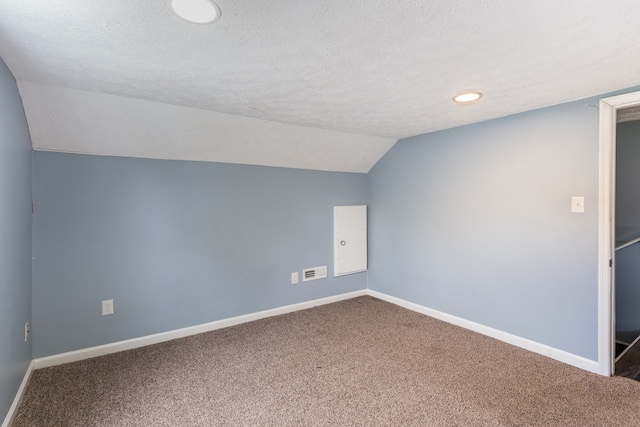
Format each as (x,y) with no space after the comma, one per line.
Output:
(341,77)
(77,121)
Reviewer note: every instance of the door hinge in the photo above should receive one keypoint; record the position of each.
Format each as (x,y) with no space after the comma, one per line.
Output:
(610,263)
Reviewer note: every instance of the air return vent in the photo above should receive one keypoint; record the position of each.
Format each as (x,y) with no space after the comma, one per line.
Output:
(314,273)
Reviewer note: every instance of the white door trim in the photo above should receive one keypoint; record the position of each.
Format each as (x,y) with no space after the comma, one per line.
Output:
(606,226)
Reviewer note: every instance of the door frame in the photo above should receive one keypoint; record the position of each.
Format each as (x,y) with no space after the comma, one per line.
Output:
(606,227)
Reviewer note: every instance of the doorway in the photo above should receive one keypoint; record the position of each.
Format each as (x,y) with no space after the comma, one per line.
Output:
(626,279)
(609,110)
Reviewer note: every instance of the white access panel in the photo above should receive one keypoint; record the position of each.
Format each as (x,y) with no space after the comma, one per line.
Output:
(349,239)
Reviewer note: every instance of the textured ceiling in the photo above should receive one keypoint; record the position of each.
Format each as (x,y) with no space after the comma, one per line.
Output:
(361,68)
(78,121)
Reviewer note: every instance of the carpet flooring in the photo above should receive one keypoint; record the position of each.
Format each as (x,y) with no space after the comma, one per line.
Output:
(360,362)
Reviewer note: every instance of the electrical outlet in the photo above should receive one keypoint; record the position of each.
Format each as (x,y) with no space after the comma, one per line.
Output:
(26,332)
(294,278)
(107,307)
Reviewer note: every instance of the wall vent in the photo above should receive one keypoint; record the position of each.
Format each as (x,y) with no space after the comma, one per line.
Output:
(314,273)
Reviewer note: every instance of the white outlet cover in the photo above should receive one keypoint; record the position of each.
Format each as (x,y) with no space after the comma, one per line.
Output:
(294,278)
(107,307)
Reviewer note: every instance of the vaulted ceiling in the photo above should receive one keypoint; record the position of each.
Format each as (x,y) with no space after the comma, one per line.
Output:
(327,84)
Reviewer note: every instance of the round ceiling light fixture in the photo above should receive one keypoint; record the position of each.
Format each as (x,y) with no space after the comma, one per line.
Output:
(196,11)
(467,97)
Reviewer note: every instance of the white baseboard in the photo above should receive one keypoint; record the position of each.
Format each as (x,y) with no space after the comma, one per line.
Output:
(86,353)
(536,347)
(101,350)
(16,401)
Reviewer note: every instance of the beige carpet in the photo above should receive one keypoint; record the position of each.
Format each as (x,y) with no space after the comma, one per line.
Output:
(362,362)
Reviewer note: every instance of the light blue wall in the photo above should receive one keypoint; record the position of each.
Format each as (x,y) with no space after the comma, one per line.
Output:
(476,222)
(175,244)
(15,239)
(627,283)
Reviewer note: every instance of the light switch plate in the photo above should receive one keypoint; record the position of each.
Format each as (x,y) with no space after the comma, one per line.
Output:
(577,204)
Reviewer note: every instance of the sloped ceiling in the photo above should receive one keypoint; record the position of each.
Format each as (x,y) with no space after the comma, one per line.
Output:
(327,85)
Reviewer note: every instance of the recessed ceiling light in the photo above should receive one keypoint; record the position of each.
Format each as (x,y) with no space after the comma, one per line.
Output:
(196,11)
(467,97)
